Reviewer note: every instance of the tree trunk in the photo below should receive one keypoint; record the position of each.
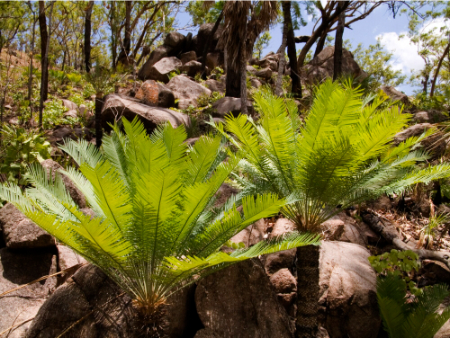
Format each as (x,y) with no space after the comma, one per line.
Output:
(45,45)
(98,119)
(30,76)
(321,43)
(338,47)
(113,35)
(292,52)
(127,35)
(233,79)
(425,83)
(438,68)
(87,37)
(208,43)
(243,70)
(281,62)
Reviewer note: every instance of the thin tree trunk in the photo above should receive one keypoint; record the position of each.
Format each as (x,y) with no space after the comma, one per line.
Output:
(45,45)
(208,43)
(98,119)
(113,35)
(320,43)
(30,76)
(87,37)
(127,37)
(438,68)
(292,52)
(243,70)
(281,62)
(338,47)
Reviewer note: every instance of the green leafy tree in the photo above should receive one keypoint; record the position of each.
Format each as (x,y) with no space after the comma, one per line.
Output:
(261,43)
(375,61)
(342,155)
(155,227)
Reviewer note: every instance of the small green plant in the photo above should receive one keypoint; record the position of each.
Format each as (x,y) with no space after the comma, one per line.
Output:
(74,78)
(20,148)
(427,233)
(54,115)
(155,229)
(413,318)
(397,263)
(206,100)
(88,90)
(173,74)
(218,71)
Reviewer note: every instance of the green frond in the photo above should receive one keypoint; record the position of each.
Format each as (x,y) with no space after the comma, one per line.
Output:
(82,152)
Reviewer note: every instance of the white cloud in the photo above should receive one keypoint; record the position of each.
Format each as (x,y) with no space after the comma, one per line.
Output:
(405,56)
(405,53)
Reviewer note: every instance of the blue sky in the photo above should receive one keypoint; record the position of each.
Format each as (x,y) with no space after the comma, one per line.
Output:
(379,24)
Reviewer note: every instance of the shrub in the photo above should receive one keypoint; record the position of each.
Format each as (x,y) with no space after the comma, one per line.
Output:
(155,229)
(342,155)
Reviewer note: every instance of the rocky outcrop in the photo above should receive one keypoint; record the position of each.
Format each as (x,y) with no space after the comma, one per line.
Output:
(160,70)
(227,105)
(156,55)
(203,34)
(103,310)
(322,67)
(431,116)
(188,56)
(19,232)
(240,302)
(21,306)
(191,68)
(395,95)
(414,130)
(186,91)
(117,106)
(336,291)
(153,93)
(215,85)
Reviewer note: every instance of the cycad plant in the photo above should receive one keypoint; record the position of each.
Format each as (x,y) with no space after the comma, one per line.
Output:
(155,228)
(340,156)
(418,318)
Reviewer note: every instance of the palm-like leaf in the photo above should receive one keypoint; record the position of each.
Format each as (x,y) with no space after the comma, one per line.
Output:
(340,156)
(153,201)
(418,319)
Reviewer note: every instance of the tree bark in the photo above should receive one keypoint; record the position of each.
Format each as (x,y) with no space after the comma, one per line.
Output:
(30,76)
(45,45)
(243,71)
(126,46)
(321,43)
(338,47)
(292,52)
(113,35)
(87,37)
(281,62)
(98,119)
(208,43)
(438,68)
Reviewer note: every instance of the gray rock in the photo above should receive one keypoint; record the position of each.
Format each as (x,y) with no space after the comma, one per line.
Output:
(215,86)
(117,106)
(160,70)
(19,232)
(191,68)
(395,95)
(174,40)
(188,56)
(227,105)
(71,113)
(113,313)
(322,66)
(186,91)
(69,104)
(202,36)
(415,130)
(52,167)
(252,234)
(281,227)
(16,269)
(336,291)
(156,55)
(239,302)
(255,83)
(265,73)
(214,60)
(432,116)
(279,260)
(67,259)
(283,281)
(153,93)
